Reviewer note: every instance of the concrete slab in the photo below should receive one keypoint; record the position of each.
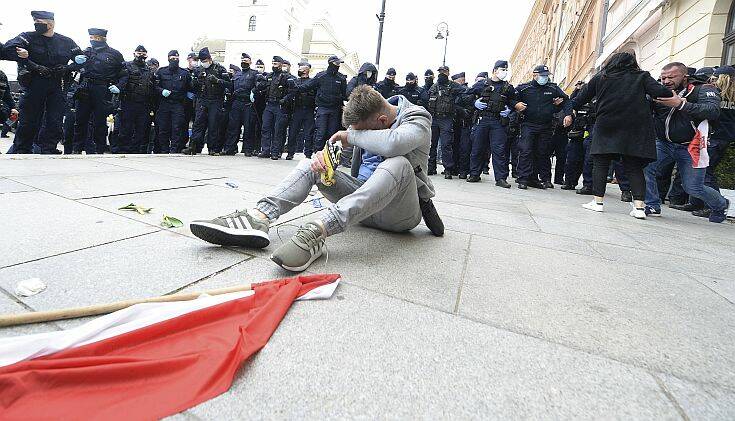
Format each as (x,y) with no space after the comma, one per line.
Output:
(80,186)
(405,361)
(652,318)
(592,232)
(28,166)
(140,267)
(37,225)
(700,401)
(8,306)
(10,186)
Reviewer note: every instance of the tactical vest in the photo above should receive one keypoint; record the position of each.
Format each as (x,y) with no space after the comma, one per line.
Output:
(495,98)
(441,102)
(4,86)
(278,87)
(140,83)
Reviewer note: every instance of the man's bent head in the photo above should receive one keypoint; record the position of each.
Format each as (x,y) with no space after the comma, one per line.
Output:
(367,110)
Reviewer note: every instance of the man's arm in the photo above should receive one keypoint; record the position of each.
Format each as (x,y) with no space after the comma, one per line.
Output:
(414,132)
(707,106)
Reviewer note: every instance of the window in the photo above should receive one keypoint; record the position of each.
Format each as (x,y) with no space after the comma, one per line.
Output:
(289,32)
(728,54)
(251,24)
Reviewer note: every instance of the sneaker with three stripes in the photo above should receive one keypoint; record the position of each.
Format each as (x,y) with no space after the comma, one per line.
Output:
(236,229)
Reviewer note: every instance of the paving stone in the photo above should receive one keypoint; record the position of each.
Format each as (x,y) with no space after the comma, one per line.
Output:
(10,186)
(653,318)
(364,355)
(701,401)
(586,231)
(37,224)
(41,166)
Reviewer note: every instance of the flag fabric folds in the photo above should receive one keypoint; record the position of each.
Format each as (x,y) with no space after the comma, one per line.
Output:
(147,361)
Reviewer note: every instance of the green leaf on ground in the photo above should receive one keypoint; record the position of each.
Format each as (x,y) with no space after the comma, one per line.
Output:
(137,208)
(171,222)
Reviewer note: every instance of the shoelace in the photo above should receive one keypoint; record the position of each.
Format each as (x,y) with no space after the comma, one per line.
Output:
(299,234)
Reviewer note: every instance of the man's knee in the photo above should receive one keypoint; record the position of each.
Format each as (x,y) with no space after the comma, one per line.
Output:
(397,166)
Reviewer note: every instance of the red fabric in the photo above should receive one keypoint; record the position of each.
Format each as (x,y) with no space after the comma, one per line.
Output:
(152,372)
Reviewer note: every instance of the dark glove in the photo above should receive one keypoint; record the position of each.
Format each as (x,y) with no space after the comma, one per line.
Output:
(43,71)
(212,79)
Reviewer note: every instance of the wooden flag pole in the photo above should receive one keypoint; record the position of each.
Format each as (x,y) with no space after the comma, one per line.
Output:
(97,309)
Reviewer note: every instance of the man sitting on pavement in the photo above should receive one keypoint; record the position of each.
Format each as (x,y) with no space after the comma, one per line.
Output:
(388,187)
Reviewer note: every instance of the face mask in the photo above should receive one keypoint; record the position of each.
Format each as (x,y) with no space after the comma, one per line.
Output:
(429,80)
(411,84)
(261,69)
(206,64)
(333,67)
(542,80)
(368,74)
(443,78)
(97,44)
(173,63)
(284,69)
(501,74)
(140,59)
(303,73)
(245,65)
(40,28)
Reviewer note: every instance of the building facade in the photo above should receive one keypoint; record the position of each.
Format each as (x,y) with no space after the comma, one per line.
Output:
(575,37)
(284,28)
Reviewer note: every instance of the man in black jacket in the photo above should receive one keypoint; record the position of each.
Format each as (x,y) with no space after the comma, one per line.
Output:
(388,86)
(675,122)
(302,104)
(136,92)
(172,86)
(538,100)
(210,81)
(273,87)
(441,103)
(412,91)
(242,112)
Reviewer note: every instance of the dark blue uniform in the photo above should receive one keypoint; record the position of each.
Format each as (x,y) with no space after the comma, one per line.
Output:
(413,93)
(387,88)
(209,85)
(330,88)
(274,88)
(534,147)
(136,92)
(242,114)
(47,63)
(170,114)
(441,103)
(490,127)
(301,130)
(94,100)
(6,98)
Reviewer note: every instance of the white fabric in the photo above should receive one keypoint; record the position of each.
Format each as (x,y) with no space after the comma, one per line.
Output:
(21,348)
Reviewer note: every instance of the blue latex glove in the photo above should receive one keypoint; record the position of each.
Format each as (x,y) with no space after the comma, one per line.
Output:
(252,97)
(505,112)
(166,93)
(114,89)
(190,95)
(480,105)
(80,59)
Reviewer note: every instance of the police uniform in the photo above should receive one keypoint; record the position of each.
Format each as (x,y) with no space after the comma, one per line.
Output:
(47,63)
(170,114)
(274,87)
(209,84)
(94,97)
(534,147)
(412,92)
(136,91)
(388,87)
(242,113)
(442,97)
(302,104)
(330,88)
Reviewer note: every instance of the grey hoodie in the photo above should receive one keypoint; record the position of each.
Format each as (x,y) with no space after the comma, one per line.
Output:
(410,138)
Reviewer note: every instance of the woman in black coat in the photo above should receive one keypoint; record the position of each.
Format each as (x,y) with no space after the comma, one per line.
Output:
(624,125)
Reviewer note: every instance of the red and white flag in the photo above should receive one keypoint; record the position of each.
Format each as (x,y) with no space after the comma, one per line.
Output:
(147,361)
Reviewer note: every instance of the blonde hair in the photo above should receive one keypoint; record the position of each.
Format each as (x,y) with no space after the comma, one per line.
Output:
(364,102)
(727,86)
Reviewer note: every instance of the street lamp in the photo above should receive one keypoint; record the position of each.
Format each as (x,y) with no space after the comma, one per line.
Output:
(442,32)
(381,21)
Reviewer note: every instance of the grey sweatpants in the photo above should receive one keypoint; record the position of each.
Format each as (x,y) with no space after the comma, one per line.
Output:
(388,200)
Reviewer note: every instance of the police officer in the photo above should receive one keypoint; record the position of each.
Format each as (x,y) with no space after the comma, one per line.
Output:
(242,114)
(388,86)
(100,74)
(173,85)
(192,62)
(7,104)
(261,100)
(44,56)
(575,149)
(428,80)
(70,91)
(538,100)
(441,104)
(209,82)
(274,87)
(330,87)
(412,91)
(136,92)
(301,130)
(368,75)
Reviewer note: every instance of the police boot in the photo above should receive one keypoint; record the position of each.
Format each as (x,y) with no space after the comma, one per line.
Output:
(190,150)
(587,191)
(626,196)
(568,187)
(502,183)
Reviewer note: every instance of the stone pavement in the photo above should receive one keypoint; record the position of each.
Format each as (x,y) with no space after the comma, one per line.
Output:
(529,307)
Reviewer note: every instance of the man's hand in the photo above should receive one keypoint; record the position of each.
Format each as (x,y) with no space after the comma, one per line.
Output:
(317,164)
(340,136)
(22,52)
(521,106)
(673,102)
(567,121)
(558,101)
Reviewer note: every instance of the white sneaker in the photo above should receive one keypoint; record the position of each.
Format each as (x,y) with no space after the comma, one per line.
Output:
(638,213)
(594,206)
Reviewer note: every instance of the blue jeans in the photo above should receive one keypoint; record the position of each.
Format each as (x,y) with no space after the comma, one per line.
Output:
(692,179)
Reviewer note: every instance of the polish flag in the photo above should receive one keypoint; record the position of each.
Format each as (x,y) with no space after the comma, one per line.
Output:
(147,361)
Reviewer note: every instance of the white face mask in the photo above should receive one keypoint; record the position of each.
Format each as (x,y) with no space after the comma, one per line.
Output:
(206,64)
(501,74)
(369,74)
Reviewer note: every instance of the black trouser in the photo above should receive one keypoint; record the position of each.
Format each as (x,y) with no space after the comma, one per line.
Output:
(633,168)
(135,119)
(559,141)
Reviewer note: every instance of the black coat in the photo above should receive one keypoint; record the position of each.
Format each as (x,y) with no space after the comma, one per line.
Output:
(624,124)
